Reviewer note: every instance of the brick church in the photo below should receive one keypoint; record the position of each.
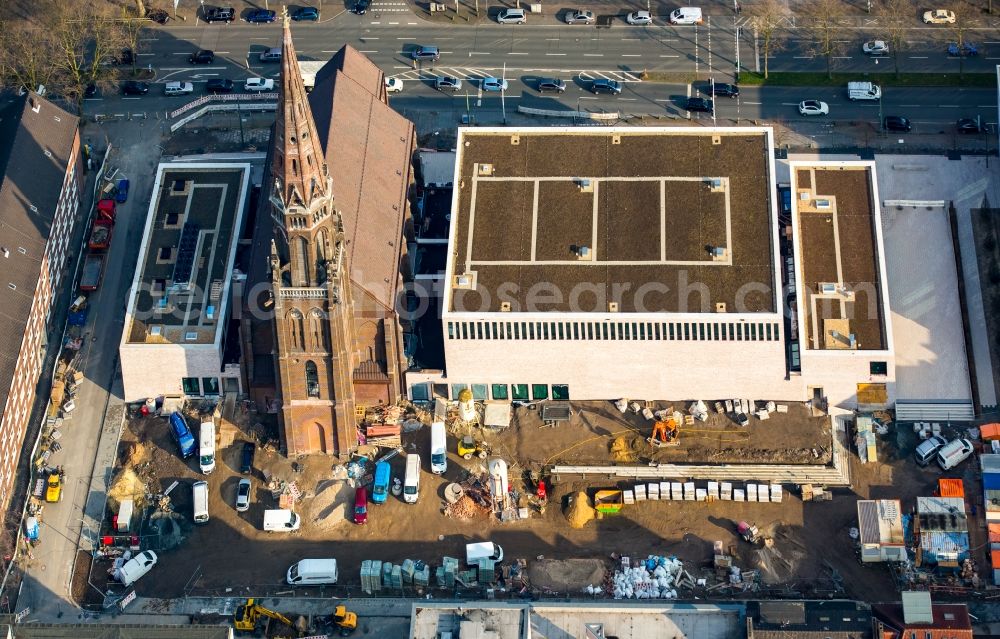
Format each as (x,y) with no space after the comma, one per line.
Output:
(322,336)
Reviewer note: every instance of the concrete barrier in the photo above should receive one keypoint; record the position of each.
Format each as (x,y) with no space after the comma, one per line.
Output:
(583,115)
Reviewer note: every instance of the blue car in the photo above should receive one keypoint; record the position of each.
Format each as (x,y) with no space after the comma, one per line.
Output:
(306,13)
(121,193)
(181,432)
(258,16)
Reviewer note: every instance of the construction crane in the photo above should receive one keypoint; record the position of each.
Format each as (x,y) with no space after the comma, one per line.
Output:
(248,614)
(664,433)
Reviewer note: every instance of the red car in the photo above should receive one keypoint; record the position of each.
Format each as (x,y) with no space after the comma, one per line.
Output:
(361,505)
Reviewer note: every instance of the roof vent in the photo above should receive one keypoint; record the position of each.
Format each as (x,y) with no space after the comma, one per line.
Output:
(612,307)
(465,280)
(583,253)
(720,307)
(504,307)
(586,185)
(22,250)
(484,170)
(616,139)
(191,336)
(718,253)
(716,139)
(12,286)
(827,288)
(6,252)
(823,204)
(515,140)
(715,184)
(156,330)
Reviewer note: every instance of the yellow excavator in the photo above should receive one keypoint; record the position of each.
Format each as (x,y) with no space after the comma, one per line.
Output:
(248,615)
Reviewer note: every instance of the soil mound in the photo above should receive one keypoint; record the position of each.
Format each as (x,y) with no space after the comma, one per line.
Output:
(568,575)
(579,511)
(126,485)
(621,451)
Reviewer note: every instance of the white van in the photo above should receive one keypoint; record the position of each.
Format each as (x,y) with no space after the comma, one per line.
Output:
(863,91)
(206,447)
(483,550)
(954,453)
(686,15)
(283,520)
(312,572)
(439,448)
(136,567)
(200,500)
(411,484)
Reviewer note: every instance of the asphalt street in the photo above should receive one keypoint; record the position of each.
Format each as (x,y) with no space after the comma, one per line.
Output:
(578,54)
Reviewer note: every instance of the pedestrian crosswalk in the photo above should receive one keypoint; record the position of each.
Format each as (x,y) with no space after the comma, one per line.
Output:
(388,7)
(512,73)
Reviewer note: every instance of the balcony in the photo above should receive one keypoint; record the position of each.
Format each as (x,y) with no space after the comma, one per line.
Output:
(303,293)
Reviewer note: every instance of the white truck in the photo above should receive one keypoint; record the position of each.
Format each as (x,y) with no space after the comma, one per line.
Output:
(483,550)
(281,520)
(863,91)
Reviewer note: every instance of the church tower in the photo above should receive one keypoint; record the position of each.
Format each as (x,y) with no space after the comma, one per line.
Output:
(313,321)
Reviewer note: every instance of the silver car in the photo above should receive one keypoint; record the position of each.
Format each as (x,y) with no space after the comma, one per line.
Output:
(243,496)
(448,83)
(580,17)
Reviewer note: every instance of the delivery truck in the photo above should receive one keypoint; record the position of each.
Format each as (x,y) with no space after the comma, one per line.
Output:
(93,271)
(863,91)
(483,550)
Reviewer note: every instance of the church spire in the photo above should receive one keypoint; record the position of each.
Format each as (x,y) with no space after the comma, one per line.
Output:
(299,169)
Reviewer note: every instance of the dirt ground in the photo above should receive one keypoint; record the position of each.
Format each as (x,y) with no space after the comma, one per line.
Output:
(231,555)
(588,438)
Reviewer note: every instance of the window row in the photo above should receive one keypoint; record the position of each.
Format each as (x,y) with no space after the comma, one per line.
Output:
(197,387)
(658,331)
(482,392)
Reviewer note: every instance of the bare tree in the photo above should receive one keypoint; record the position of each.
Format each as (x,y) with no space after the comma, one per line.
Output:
(130,30)
(767,17)
(85,38)
(897,17)
(824,28)
(958,34)
(25,56)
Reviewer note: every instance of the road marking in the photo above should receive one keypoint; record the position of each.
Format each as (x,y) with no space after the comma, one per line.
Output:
(987,42)
(993,58)
(555,54)
(841,57)
(371,38)
(630,39)
(662,100)
(374,23)
(789,104)
(631,55)
(803,57)
(918,57)
(393,23)
(516,53)
(910,106)
(582,97)
(628,99)
(986,106)
(472,53)
(376,51)
(190,68)
(324,51)
(406,38)
(670,56)
(947,106)
(593,55)
(747,102)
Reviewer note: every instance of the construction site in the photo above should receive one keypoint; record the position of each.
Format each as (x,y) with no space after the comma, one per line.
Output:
(565,533)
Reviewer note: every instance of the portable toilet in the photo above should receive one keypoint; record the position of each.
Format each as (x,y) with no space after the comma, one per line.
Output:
(124,520)
(466,405)
(31,528)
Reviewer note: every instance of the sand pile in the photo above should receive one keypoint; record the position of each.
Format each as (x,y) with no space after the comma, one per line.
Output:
(621,451)
(579,511)
(126,485)
(133,454)
(569,575)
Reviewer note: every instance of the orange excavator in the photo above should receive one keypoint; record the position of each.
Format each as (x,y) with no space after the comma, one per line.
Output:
(665,433)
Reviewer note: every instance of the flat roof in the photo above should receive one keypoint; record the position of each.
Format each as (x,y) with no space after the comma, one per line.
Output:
(181,288)
(664,220)
(838,249)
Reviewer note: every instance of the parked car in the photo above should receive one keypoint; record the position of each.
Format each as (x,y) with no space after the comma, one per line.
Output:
(725,90)
(448,83)
(939,16)
(426,52)
(875,47)
(219,85)
(361,505)
(361,6)
(178,88)
(970,125)
(121,191)
(896,123)
(579,17)
(705,105)
(551,84)
(135,87)
(159,16)
(218,14)
(493,84)
(246,458)
(259,16)
(639,17)
(393,85)
(813,107)
(90,91)
(243,496)
(258,84)
(309,14)
(603,85)
(511,16)
(928,449)
(966,50)
(203,56)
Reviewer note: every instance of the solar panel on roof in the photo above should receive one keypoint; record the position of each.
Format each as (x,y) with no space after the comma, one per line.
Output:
(188,245)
